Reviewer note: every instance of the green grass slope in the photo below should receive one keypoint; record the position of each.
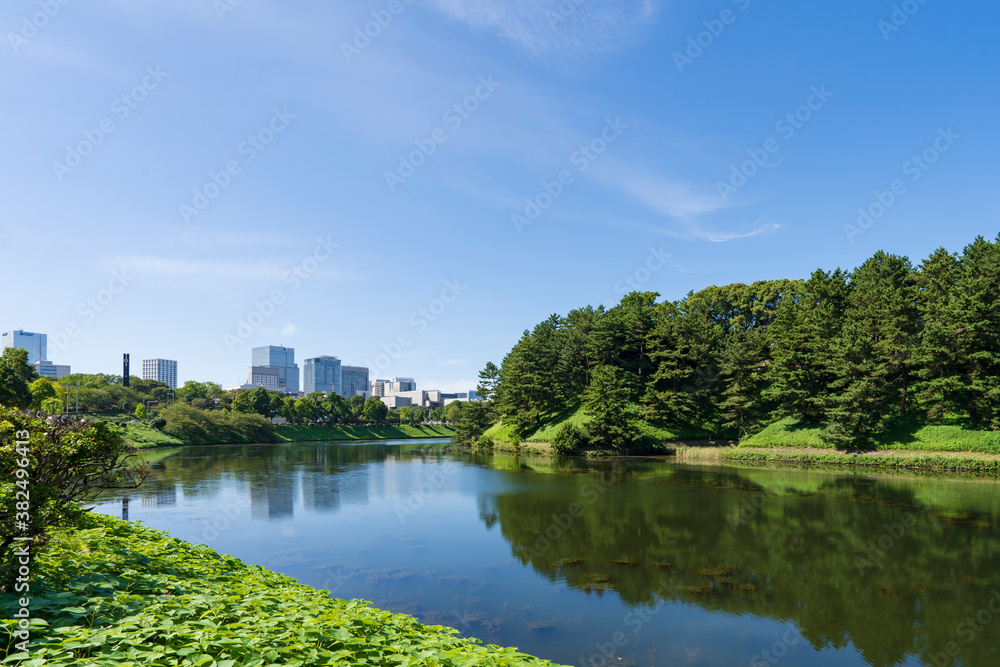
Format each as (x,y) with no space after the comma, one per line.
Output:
(115,593)
(142,436)
(903,435)
(656,433)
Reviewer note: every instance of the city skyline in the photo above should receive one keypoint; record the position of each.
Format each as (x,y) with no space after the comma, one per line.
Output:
(339,180)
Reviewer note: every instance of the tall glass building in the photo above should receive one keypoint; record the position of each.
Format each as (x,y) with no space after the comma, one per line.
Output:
(355,380)
(282,358)
(322,374)
(36,344)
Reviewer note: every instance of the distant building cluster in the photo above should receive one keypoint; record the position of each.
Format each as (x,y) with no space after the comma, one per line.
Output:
(272,367)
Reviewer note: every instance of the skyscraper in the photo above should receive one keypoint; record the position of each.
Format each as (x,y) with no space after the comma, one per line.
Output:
(355,380)
(283,359)
(322,374)
(36,344)
(162,370)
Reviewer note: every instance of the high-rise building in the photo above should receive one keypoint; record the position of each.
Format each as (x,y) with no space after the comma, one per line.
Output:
(281,358)
(161,370)
(354,381)
(36,344)
(322,374)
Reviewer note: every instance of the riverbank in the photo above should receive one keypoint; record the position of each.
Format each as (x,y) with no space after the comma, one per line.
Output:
(115,593)
(144,437)
(917,460)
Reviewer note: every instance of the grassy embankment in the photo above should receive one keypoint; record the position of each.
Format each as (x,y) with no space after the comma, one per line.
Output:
(114,593)
(907,444)
(144,437)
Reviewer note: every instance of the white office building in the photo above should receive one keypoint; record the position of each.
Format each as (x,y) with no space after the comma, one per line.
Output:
(161,370)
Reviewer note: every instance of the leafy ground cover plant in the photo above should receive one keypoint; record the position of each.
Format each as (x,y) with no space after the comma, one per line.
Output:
(115,593)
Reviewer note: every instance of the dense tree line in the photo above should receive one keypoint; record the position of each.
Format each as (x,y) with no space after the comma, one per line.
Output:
(851,350)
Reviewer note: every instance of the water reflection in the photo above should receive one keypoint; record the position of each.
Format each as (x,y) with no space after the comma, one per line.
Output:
(637,561)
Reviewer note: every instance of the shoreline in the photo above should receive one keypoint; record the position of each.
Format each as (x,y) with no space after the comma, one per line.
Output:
(711,452)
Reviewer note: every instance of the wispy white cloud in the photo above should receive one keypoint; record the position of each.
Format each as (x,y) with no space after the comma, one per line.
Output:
(684,204)
(692,229)
(289,330)
(546,26)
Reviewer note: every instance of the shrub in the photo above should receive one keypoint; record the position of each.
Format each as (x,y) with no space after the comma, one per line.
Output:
(47,467)
(570,439)
(486,442)
(202,427)
(158,423)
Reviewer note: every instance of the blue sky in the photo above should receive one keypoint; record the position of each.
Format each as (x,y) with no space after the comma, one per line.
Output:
(188,179)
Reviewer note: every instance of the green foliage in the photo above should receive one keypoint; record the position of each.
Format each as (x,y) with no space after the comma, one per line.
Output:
(606,403)
(374,411)
(203,427)
(16,378)
(472,423)
(158,423)
(47,468)
(118,593)
(140,411)
(852,351)
(486,443)
(41,391)
(570,440)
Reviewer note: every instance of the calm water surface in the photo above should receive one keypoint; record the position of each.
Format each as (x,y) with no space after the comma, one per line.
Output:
(636,562)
